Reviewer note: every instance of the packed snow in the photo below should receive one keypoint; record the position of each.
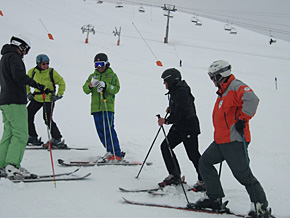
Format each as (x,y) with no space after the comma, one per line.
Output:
(141,97)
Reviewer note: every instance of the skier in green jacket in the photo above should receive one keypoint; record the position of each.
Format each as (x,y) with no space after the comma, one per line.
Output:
(103,85)
(49,77)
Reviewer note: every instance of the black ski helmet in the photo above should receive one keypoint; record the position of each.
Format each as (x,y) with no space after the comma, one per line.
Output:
(171,76)
(102,57)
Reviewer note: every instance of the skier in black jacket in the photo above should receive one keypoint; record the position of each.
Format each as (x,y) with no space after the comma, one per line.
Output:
(13,81)
(185,127)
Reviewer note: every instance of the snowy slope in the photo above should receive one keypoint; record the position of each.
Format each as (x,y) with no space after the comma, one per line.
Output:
(142,97)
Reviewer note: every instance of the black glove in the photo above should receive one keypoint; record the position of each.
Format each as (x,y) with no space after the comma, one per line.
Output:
(240,125)
(54,98)
(40,87)
(30,96)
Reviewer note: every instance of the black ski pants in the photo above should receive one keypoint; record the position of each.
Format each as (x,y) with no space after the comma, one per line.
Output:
(33,108)
(190,141)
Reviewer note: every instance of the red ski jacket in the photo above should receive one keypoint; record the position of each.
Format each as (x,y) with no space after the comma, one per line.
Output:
(235,101)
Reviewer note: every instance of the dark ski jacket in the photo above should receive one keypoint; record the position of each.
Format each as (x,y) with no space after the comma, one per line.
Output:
(182,109)
(13,78)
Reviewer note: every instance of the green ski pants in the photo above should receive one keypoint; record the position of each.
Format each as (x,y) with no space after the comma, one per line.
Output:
(15,134)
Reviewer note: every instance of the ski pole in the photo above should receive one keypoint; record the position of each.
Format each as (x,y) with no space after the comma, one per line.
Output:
(49,138)
(248,163)
(174,163)
(149,150)
(109,126)
(220,170)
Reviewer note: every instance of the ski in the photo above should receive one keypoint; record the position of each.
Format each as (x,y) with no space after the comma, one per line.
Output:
(226,211)
(39,147)
(124,163)
(58,174)
(70,177)
(139,190)
(77,163)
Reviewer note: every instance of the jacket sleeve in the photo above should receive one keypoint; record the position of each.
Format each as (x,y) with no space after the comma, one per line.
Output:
(60,82)
(249,102)
(86,87)
(19,72)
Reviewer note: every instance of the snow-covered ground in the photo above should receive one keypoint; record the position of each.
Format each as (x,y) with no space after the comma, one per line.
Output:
(142,97)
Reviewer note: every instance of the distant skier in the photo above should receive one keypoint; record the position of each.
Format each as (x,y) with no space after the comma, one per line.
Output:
(103,85)
(13,81)
(235,106)
(185,127)
(49,77)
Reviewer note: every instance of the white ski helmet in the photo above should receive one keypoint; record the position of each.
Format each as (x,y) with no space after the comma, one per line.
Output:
(21,42)
(219,69)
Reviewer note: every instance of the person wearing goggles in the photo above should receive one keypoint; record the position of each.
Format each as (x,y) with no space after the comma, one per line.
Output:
(236,104)
(13,81)
(103,85)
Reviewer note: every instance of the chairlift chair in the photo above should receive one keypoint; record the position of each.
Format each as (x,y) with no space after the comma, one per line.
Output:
(272,40)
(194,19)
(119,5)
(141,9)
(100,2)
(198,23)
(233,31)
(228,27)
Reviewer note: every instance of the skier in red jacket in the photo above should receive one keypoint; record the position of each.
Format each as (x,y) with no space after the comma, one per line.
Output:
(236,104)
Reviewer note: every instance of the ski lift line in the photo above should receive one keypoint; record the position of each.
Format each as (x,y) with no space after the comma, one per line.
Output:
(176,51)
(218,18)
(157,61)
(43,25)
(249,25)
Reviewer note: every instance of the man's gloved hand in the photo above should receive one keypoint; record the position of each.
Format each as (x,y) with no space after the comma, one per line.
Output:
(40,87)
(94,82)
(30,96)
(101,86)
(240,125)
(54,98)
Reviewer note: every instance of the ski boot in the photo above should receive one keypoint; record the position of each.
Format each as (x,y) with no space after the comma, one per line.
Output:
(33,140)
(3,172)
(18,173)
(55,144)
(169,180)
(261,210)
(199,187)
(209,203)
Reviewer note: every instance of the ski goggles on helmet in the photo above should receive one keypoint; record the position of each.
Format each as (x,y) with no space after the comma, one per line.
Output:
(100,64)
(216,78)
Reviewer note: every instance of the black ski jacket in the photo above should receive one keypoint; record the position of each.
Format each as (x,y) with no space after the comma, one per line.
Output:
(13,78)
(182,109)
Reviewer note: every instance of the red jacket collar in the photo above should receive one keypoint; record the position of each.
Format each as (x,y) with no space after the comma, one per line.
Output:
(223,87)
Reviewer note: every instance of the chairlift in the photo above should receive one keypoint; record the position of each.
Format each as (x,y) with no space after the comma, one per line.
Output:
(119,5)
(100,2)
(194,19)
(233,31)
(272,39)
(198,23)
(228,27)
(141,9)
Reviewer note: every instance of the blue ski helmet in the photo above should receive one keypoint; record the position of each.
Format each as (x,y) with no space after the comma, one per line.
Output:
(41,58)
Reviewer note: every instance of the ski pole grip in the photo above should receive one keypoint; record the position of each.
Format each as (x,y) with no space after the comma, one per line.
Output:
(158,116)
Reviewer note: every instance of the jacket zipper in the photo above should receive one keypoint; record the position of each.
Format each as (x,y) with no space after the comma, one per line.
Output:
(226,120)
